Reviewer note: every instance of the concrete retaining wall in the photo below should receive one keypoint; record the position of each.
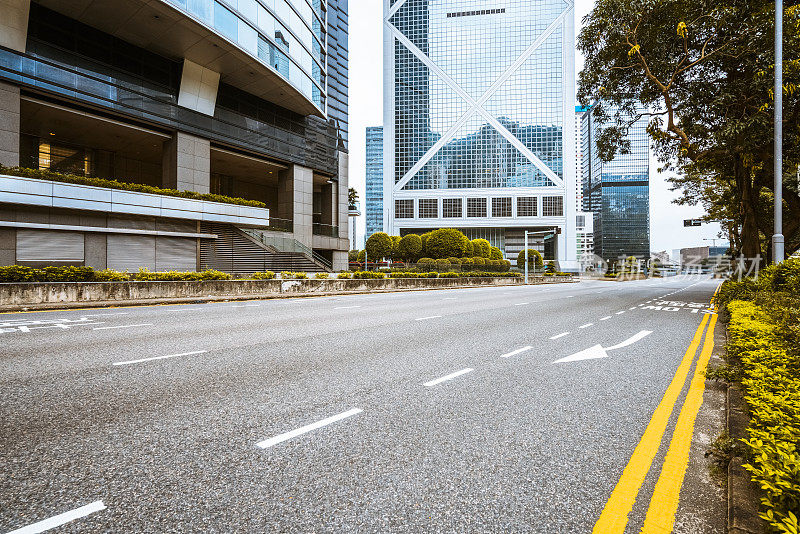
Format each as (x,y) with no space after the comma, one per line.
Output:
(16,296)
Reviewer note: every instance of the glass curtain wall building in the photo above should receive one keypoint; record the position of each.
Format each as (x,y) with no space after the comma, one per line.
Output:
(618,192)
(374,170)
(242,98)
(479,121)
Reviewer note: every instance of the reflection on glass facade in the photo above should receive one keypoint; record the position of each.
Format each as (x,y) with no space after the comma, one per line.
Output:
(464,119)
(618,192)
(374,168)
(287,35)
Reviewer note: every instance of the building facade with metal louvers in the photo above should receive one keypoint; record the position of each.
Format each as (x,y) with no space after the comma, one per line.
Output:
(478,121)
(240,98)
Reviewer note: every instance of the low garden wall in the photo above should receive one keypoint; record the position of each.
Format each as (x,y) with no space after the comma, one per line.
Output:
(15,296)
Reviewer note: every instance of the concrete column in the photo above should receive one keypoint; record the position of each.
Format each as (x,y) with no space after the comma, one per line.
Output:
(186,163)
(95,250)
(14,23)
(343,220)
(340,262)
(8,246)
(327,209)
(9,122)
(303,204)
(199,87)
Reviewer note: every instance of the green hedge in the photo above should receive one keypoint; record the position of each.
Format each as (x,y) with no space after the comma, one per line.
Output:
(20,273)
(124,186)
(265,275)
(771,381)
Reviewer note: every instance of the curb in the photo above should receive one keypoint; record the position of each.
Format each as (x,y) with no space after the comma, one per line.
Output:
(222,298)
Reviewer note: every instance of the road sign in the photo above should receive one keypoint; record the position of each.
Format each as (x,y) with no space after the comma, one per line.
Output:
(692,222)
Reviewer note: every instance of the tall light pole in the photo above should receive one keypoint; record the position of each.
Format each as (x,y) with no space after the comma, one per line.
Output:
(526,257)
(777,238)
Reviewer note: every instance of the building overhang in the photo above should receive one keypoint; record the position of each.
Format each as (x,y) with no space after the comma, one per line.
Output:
(162,28)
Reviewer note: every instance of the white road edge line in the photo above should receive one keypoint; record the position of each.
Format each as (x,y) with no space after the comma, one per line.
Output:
(515,352)
(521,303)
(308,428)
(587,325)
(122,326)
(606,318)
(620,312)
(129,362)
(448,377)
(61,519)
(345,307)
(560,335)
(426,318)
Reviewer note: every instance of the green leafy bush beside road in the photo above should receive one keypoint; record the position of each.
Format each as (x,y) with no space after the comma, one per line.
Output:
(764,354)
(21,273)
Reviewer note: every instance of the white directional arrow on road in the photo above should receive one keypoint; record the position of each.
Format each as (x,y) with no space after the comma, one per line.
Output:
(597,351)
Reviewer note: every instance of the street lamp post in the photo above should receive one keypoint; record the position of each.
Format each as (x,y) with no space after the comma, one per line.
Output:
(526,257)
(777,238)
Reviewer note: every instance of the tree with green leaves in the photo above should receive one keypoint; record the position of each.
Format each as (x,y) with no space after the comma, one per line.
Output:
(496,254)
(534,258)
(378,246)
(482,248)
(352,197)
(410,248)
(704,71)
(446,242)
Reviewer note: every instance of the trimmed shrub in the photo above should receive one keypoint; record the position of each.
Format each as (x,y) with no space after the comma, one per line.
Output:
(442,265)
(343,276)
(470,252)
(352,256)
(496,254)
(534,257)
(478,261)
(481,248)
(321,276)
(551,267)
(410,247)
(289,275)
(124,186)
(432,274)
(450,274)
(395,255)
(454,261)
(110,275)
(379,245)
(506,266)
(425,263)
(467,263)
(368,274)
(361,256)
(446,242)
(143,275)
(266,275)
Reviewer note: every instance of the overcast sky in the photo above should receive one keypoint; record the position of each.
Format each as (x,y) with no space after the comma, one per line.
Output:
(366,109)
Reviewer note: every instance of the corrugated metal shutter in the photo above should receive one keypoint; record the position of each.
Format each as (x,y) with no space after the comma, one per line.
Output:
(49,245)
(176,254)
(131,252)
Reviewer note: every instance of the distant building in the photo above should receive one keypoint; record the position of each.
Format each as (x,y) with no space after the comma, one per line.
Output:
(478,118)
(374,170)
(702,255)
(584,220)
(617,192)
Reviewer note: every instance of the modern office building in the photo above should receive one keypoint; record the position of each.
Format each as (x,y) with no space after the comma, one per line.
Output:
(584,227)
(618,192)
(374,171)
(479,119)
(243,98)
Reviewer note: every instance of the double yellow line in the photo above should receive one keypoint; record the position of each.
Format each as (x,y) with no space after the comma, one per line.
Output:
(664,502)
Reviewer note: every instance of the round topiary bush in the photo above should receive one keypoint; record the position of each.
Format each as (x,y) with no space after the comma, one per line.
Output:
(410,247)
(482,248)
(379,245)
(467,264)
(352,255)
(470,250)
(454,261)
(446,242)
(442,265)
(496,254)
(534,257)
(506,266)
(425,263)
(479,262)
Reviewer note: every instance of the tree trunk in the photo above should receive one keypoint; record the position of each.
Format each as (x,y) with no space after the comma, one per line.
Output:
(751,244)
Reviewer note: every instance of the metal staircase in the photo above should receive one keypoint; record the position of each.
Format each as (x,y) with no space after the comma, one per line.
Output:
(244,251)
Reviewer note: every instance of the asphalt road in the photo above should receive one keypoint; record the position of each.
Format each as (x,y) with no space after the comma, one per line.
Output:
(190,418)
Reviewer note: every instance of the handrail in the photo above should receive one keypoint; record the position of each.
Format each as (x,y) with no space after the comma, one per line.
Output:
(328,230)
(287,244)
